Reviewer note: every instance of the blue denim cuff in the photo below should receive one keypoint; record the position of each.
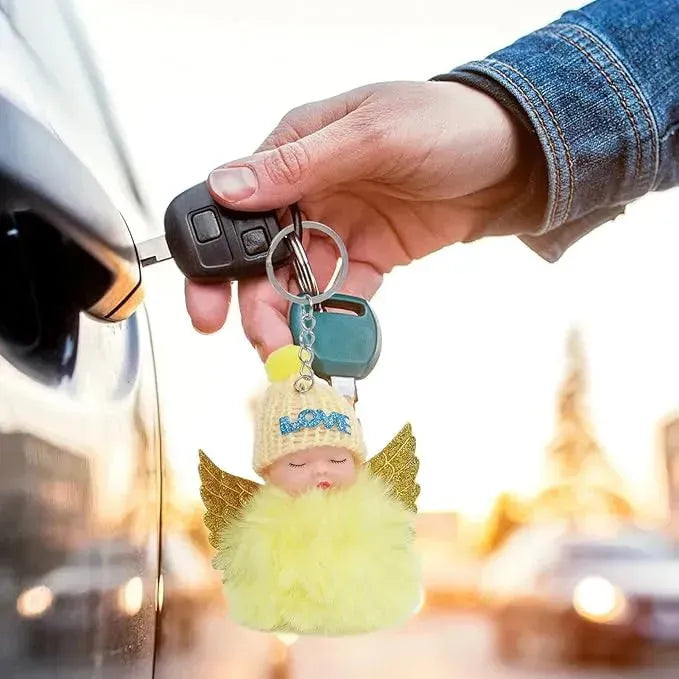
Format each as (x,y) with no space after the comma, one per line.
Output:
(594,125)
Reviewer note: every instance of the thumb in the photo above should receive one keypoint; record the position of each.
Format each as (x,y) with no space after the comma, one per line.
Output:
(281,176)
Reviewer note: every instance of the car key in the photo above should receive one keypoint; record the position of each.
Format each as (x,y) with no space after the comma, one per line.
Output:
(211,243)
(346,345)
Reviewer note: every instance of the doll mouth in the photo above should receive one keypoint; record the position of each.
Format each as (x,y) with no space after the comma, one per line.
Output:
(324,485)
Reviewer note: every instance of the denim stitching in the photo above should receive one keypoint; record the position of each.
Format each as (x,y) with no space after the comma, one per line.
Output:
(567,150)
(636,91)
(630,116)
(645,108)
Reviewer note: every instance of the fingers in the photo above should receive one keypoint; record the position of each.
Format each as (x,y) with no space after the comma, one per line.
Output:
(314,147)
(345,150)
(309,118)
(362,280)
(265,313)
(208,305)
(305,120)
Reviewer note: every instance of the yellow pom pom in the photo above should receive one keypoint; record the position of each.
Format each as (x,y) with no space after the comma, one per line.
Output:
(283,363)
(321,563)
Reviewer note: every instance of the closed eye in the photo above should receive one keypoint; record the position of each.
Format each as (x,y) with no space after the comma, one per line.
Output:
(292,464)
(338,461)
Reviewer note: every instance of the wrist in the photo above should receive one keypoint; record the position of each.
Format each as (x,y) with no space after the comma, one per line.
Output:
(517,200)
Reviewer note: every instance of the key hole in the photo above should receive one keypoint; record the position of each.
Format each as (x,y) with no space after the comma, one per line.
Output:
(344,307)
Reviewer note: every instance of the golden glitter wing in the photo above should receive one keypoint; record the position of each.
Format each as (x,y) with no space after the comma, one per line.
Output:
(223,494)
(397,465)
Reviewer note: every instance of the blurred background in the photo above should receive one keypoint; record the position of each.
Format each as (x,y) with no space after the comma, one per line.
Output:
(544,398)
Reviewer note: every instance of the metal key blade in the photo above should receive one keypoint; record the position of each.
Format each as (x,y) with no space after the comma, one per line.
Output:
(153,250)
(346,386)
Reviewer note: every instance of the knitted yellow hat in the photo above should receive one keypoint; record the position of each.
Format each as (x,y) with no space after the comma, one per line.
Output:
(288,421)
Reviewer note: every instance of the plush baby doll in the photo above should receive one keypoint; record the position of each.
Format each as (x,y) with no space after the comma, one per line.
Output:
(325,546)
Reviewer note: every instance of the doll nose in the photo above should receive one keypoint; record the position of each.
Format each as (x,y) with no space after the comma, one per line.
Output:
(321,469)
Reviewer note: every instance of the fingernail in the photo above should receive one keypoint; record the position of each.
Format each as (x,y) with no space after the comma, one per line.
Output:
(198,330)
(233,183)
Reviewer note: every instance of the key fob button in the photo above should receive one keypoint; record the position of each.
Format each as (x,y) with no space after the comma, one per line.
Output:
(213,244)
(255,242)
(205,226)
(214,254)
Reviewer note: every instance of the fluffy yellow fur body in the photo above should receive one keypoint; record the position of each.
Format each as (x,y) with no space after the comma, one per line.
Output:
(328,563)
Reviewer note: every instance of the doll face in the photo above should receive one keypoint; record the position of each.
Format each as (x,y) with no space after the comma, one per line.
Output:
(322,467)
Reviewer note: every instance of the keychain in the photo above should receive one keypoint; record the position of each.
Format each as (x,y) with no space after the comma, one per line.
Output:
(326,545)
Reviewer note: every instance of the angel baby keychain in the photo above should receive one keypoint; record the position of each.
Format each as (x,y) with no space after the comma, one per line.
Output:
(326,545)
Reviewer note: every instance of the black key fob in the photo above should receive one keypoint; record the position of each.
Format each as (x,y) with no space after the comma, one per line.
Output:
(212,244)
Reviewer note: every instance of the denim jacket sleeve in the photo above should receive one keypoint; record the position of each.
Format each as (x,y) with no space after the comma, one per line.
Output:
(600,89)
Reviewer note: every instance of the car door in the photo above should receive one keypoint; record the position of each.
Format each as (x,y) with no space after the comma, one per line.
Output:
(79,426)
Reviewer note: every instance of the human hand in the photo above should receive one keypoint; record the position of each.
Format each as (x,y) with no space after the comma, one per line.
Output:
(398,169)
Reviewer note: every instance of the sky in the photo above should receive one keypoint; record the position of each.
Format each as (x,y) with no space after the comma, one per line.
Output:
(473,336)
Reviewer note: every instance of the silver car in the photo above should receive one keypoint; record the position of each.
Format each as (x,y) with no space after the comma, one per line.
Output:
(80,456)
(573,594)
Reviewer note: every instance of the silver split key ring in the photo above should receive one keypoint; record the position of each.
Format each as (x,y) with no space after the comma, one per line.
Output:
(336,283)
(300,261)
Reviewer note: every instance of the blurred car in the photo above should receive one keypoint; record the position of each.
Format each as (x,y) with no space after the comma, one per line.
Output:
(577,595)
(98,583)
(101,582)
(81,497)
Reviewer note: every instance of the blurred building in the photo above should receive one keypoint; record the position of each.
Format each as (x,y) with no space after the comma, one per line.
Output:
(580,480)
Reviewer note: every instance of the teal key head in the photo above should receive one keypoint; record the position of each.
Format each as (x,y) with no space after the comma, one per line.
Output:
(348,337)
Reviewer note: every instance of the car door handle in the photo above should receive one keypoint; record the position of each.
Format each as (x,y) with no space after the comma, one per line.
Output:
(40,175)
